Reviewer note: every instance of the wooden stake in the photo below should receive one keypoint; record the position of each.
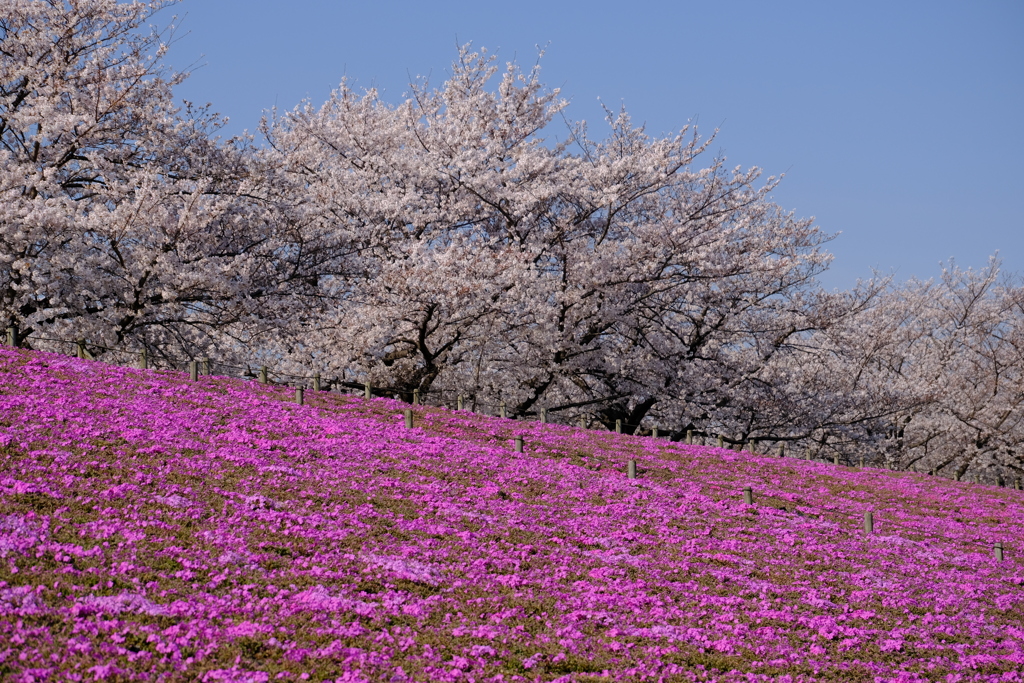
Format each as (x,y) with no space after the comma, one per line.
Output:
(316,382)
(263,374)
(503,410)
(869,523)
(689,437)
(415,397)
(544,415)
(366,390)
(748,496)
(782,450)
(519,444)
(618,426)
(299,397)
(193,371)
(408,419)
(998,551)
(458,402)
(631,469)
(721,441)
(143,361)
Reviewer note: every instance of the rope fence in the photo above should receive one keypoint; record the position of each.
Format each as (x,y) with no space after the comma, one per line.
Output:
(437,398)
(839,517)
(452,399)
(842,518)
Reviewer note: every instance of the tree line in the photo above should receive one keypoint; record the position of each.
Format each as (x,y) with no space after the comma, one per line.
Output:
(470,239)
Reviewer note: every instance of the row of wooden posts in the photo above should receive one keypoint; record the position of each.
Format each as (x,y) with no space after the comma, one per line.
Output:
(203,366)
(748,499)
(748,492)
(750,446)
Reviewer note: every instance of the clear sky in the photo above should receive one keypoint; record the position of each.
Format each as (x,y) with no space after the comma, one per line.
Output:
(899,124)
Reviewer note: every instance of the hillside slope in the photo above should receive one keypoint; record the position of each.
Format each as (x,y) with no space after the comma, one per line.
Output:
(153,528)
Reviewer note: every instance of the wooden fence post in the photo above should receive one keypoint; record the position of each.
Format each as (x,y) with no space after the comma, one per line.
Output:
(618,426)
(782,450)
(205,366)
(299,397)
(835,460)
(654,433)
(193,371)
(631,469)
(748,496)
(689,437)
(502,410)
(366,390)
(869,523)
(544,415)
(143,360)
(721,441)
(519,444)
(83,352)
(408,418)
(415,397)
(458,402)
(263,374)
(316,382)
(998,550)
(12,336)
(583,422)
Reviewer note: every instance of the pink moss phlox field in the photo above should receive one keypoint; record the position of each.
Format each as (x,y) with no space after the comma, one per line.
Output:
(152,528)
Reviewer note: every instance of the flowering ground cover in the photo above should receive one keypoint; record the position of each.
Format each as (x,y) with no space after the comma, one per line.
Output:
(153,528)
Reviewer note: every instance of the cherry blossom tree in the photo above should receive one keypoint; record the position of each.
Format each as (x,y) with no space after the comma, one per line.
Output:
(611,279)
(122,218)
(470,240)
(579,276)
(967,364)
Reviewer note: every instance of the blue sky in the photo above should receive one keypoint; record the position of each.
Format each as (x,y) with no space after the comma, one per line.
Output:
(898,124)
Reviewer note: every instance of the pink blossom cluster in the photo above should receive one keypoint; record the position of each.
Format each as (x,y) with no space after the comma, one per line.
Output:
(153,528)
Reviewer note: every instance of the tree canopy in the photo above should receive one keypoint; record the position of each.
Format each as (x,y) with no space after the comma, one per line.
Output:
(470,240)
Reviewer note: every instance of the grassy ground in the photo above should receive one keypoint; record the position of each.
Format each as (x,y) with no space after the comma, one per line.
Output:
(152,528)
